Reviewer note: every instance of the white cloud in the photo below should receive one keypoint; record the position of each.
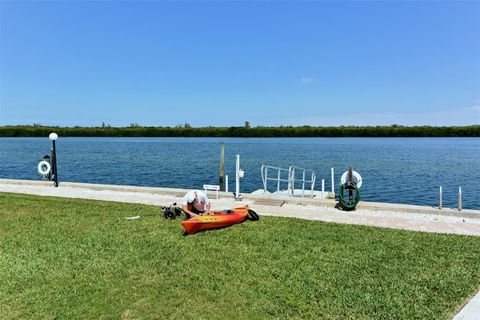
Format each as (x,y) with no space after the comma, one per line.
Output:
(476,106)
(307,80)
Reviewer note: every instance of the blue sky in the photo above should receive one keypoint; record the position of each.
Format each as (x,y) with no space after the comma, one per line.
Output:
(223,63)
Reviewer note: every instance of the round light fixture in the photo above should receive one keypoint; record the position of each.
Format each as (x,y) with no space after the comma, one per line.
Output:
(53,136)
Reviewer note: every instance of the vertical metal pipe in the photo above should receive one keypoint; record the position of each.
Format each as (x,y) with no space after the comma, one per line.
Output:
(333,182)
(278,182)
(54,164)
(323,188)
(293,181)
(303,184)
(460,198)
(222,165)
(265,182)
(289,179)
(440,196)
(313,184)
(237,177)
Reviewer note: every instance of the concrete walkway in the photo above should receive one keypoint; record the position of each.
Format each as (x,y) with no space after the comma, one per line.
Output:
(471,311)
(415,218)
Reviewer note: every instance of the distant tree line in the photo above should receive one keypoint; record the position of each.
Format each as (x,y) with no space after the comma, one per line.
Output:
(135,130)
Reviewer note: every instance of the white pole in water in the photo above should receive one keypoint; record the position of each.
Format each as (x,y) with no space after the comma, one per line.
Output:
(440,198)
(237,177)
(323,188)
(226,183)
(333,184)
(459,198)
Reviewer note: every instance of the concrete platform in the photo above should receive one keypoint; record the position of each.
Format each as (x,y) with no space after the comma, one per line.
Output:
(374,206)
(397,216)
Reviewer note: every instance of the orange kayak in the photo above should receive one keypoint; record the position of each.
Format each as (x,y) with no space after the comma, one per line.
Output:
(219,219)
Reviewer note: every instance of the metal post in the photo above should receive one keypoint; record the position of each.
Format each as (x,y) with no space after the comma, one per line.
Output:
(222,164)
(289,180)
(226,183)
(292,179)
(323,188)
(313,184)
(278,182)
(53,136)
(265,181)
(333,183)
(237,177)
(303,184)
(459,198)
(440,198)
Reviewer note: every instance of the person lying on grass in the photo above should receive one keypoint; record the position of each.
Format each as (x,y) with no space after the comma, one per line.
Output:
(195,203)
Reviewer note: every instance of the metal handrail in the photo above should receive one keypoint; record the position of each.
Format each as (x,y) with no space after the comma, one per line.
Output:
(292,177)
(265,178)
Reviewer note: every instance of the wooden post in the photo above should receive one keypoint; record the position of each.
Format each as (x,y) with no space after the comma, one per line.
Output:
(222,166)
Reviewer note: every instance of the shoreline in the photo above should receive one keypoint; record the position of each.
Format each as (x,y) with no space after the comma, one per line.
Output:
(245,131)
(386,215)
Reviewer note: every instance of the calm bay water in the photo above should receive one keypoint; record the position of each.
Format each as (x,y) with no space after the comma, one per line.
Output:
(397,170)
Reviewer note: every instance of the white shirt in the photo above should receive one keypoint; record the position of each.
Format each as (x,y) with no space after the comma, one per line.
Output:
(198,198)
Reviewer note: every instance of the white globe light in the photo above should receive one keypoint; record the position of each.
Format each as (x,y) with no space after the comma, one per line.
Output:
(53,136)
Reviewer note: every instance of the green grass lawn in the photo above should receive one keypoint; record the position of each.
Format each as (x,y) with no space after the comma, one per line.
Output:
(70,259)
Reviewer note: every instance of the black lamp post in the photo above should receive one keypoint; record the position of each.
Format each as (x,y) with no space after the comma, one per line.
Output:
(53,136)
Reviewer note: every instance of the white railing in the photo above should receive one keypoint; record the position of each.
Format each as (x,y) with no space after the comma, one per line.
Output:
(292,173)
(307,179)
(278,176)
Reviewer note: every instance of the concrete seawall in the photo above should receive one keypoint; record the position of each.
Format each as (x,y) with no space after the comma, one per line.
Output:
(399,216)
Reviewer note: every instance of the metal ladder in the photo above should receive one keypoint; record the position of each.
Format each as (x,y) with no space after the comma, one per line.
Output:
(292,173)
(265,178)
